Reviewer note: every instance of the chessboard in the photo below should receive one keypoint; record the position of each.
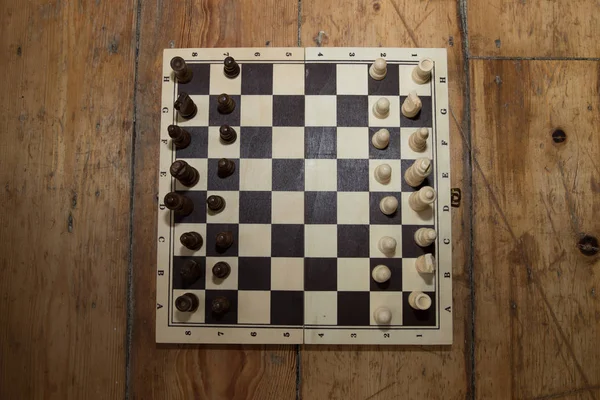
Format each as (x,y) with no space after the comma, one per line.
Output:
(271,224)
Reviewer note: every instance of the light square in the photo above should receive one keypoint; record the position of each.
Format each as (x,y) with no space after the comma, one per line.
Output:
(288,142)
(320,240)
(412,217)
(376,232)
(201,165)
(352,79)
(257,110)
(320,111)
(406,153)
(353,142)
(187,317)
(181,250)
(254,307)
(392,120)
(353,208)
(255,240)
(219,83)
(391,300)
(353,274)
(288,79)
(228,283)
(407,84)
(320,308)
(287,273)
(201,117)
(395,183)
(412,280)
(231,212)
(287,207)
(320,175)
(218,149)
(256,174)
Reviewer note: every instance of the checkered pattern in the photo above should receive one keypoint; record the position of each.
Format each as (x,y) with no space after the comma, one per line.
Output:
(303,204)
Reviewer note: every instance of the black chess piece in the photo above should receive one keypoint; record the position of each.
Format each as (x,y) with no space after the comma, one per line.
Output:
(231,68)
(191,240)
(225,168)
(181,137)
(225,104)
(190,271)
(186,106)
(228,134)
(220,305)
(187,302)
(182,72)
(215,203)
(179,203)
(224,240)
(221,270)
(184,173)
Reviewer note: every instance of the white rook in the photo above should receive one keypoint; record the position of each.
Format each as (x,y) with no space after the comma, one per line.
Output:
(419,300)
(421,199)
(422,72)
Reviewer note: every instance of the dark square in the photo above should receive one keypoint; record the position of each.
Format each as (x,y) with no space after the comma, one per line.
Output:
(287,308)
(320,79)
(395,282)
(215,118)
(353,309)
(404,165)
(412,317)
(288,175)
(178,282)
(215,182)
(256,142)
(200,83)
(211,235)
(392,151)
(320,142)
(255,207)
(231,316)
(353,175)
(288,110)
(198,147)
(376,217)
(423,119)
(257,79)
(388,86)
(320,274)
(352,110)
(320,207)
(287,240)
(353,240)
(410,249)
(254,273)
(198,215)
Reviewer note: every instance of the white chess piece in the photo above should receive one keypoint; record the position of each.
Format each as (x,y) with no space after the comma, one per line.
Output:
(421,199)
(388,205)
(417,140)
(425,264)
(387,245)
(382,316)
(412,105)
(422,72)
(419,300)
(383,173)
(381,108)
(378,69)
(381,139)
(418,171)
(381,273)
(425,236)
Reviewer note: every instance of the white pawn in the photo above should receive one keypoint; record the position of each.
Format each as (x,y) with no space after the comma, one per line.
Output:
(387,245)
(421,199)
(381,108)
(383,173)
(381,139)
(425,264)
(381,274)
(412,105)
(378,69)
(388,205)
(425,236)
(417,140)
(419,300)
(382,316)
(422,72)
(418,171)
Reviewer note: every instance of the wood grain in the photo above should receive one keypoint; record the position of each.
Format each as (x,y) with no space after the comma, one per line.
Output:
(536,303)
(378,372)
(199,372)
(534,28)
(65,175)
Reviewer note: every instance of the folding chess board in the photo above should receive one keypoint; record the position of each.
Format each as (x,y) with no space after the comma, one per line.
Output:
(303,204)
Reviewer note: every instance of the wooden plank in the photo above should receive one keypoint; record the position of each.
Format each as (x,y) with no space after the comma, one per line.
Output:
(207,372)
(534,28)
(536,321)
(376,372)
(65,176)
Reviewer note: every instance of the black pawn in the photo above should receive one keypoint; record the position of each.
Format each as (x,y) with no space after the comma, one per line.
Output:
(228,134)
(225,168)
(186,106)
(215,203)
(184,173)
(231,68)
(187,302)
(220,305)
(224,240)
(221,270)
(181,204)
(225,104)
(181,137)
(181,70)
(191,240)
(190,271)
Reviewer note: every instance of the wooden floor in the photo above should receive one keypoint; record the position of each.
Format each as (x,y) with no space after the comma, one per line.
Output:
(78,176)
